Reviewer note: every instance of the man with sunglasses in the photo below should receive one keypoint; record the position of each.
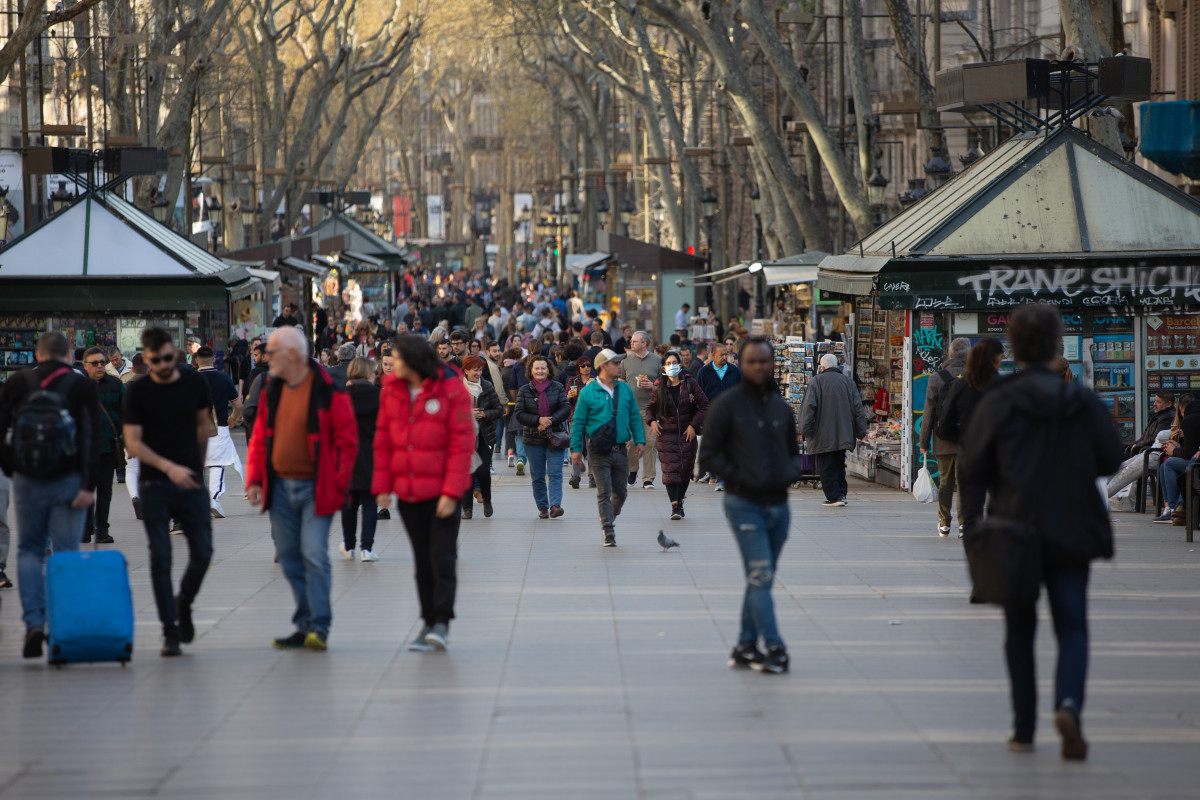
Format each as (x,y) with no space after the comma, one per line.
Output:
(167,426)
(95,362)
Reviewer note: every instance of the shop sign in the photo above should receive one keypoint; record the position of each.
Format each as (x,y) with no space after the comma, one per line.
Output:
(1084,286)
(1074,322)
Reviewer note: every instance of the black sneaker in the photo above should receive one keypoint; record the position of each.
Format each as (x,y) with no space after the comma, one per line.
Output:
(187,631)
(591,482)
(171,647)
(383,514)
(682,513)
(676,514)
(293,642)
(33,643)
(647,484)
(632,478)
(574,482)
(776,661)
(5,583)
(87,538)
(610,540)
(746,657)
(487,508)
(104,539)
(137,507)
(468,513)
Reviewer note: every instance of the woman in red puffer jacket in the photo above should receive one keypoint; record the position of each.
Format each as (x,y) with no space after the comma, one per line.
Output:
(424,439)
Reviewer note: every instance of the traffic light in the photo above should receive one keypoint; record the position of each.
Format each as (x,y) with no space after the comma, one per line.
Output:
(691,251)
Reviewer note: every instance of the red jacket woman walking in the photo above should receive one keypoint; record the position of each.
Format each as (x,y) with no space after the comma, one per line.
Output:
(424,438)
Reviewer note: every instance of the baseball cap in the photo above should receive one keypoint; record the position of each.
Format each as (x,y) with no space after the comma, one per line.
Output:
(605,356)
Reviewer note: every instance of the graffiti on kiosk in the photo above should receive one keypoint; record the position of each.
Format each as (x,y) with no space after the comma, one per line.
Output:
(1102,286)
(936,302)
(928,345)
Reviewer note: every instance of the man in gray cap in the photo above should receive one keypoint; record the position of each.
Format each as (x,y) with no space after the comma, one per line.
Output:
(345,354)
(604,399)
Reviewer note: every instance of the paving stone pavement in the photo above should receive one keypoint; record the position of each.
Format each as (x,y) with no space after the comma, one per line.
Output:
(581,672)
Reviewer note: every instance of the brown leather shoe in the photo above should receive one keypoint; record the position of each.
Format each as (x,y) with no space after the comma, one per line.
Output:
(543,513)
(556,511)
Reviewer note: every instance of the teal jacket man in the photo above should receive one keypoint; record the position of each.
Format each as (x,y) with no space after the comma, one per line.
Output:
(595,407)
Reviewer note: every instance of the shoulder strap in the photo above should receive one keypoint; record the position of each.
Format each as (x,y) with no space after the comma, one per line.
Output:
(53,376)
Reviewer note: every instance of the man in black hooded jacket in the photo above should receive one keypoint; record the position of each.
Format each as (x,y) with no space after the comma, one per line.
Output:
(1038,444)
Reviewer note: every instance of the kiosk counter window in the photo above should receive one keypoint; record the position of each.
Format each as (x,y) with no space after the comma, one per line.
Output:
(1172,353)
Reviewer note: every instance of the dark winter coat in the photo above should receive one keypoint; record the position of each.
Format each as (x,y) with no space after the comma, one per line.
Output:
(676,455)
(527,411)
(1008,450)
(832,417)
(489,404)
(1161,421)
(750,442)
(364,396)
(934,391)
(713,384)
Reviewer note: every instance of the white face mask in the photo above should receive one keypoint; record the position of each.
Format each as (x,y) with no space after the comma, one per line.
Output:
(673,370)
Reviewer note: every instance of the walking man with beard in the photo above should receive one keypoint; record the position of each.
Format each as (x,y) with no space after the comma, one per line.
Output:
(168,423)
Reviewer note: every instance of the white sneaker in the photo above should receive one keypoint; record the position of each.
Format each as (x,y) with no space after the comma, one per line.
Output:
(217,511)
(346,554)
(512,461)
(368,555)
(720,486)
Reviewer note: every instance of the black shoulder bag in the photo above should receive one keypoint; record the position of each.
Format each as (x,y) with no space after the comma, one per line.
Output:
(604,439)
(1004,555)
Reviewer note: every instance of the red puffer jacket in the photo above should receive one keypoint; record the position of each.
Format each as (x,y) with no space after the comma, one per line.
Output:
(423,447)
(332,441)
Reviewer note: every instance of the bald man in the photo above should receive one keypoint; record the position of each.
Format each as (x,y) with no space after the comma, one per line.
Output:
(298,469)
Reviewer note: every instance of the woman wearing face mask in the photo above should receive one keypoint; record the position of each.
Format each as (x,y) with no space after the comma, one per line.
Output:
(675,413)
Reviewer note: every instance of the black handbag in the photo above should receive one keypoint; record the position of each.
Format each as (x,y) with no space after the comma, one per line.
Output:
(1004,555)
(602,442)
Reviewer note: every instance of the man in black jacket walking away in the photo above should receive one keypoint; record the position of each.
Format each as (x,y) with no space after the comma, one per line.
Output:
(1038,444)
(832,419)
(750,444)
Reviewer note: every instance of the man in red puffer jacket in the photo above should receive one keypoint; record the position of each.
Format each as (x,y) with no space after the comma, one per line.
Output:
(424,440)
(298,468)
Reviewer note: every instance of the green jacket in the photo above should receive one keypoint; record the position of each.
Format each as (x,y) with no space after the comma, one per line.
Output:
(593,408)
(111,389)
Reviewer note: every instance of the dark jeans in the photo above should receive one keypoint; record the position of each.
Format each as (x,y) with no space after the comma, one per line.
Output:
(677,491)
(1066,590)
(163,501)
(760,532)
(97,515)
(482,476)
(435,550)
(370,518)
(947,485)
(832,467)
(971,499)
(612,484)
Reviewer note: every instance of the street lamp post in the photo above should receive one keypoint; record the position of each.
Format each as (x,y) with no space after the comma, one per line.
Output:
(708,207)
(876,188)
(61,198)
(628,209)
(756,207)
(660,216)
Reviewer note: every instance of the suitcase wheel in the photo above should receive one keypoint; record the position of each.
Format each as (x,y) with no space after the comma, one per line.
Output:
(128,648)
(56,650)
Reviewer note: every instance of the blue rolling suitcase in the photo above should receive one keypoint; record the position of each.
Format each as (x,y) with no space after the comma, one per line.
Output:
(89,607)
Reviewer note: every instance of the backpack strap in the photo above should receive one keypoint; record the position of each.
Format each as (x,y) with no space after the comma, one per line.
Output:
(53,376)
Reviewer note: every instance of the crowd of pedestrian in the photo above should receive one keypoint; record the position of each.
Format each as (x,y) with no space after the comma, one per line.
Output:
(422,404)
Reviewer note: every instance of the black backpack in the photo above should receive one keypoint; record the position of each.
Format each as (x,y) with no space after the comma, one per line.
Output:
(44,430)
(948,428)
(939,409)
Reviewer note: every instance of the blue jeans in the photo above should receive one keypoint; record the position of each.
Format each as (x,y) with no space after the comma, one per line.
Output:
(1168,478)
(760,532)
(1066,589)
(163,501)
(302,541)
(545,463)
(44,517)
(520,447)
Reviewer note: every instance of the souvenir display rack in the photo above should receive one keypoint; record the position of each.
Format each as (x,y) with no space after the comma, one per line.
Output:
(795,364)
(18,340)
(1172,354)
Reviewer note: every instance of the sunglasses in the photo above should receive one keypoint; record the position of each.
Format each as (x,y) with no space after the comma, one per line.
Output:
(96,363)
(167,359)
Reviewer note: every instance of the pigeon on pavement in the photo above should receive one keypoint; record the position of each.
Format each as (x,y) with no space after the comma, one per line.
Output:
(666,542)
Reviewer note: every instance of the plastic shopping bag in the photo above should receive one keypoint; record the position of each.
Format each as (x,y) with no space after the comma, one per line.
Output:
(923,489)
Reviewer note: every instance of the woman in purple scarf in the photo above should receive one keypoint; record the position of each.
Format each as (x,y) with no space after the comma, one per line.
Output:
(542,410)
